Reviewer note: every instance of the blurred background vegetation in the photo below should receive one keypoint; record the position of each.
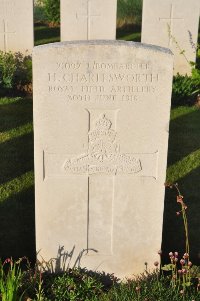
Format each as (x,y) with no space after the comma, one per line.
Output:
(129,12)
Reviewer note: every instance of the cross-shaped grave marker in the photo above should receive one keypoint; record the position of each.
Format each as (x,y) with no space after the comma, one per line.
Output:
(5,33)
(88,16)
(170,24)
(104,160)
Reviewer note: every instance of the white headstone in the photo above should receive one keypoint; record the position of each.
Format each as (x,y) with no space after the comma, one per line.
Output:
(101,116)
(88,20)
(16,26)
(173,24)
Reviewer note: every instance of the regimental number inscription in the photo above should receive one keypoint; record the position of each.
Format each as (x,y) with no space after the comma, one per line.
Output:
(103,155)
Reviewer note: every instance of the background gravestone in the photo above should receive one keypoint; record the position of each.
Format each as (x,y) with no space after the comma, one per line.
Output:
(173,24)
(16,26)
(101,117)
(88,19)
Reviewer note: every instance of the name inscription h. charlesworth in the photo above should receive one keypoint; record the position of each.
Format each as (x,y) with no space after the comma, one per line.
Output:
(103,154)
(102,81)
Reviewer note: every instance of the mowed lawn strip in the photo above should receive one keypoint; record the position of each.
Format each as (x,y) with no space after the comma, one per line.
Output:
(44,35)
(184,142)
(16,142)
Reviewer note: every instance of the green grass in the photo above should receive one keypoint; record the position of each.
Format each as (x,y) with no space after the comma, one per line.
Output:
(184,152)
(17,235)
(44,34)
(136,36)
(132,33)
(183,168)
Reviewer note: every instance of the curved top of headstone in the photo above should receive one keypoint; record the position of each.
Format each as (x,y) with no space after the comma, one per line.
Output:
(117,43)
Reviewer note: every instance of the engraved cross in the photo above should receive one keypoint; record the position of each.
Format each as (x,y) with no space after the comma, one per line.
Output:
(170,24)
(88,17)
(101,163)
(5,32)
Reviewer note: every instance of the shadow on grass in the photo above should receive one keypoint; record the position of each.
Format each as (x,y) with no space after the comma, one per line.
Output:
(173,228)
(130,33)
(17,224)
(16,157)
(184,139)
(184,136)
(44,34)
(16,146)
(15,112)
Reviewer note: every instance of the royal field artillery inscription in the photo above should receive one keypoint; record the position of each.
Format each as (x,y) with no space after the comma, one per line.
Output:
(101,120)
(105,81)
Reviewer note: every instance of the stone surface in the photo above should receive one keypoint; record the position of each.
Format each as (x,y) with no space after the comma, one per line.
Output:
(101,116)
(16,26)
(88,19)
(173,24)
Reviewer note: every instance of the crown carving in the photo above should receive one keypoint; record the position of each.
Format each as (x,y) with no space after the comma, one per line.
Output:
(103,123)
